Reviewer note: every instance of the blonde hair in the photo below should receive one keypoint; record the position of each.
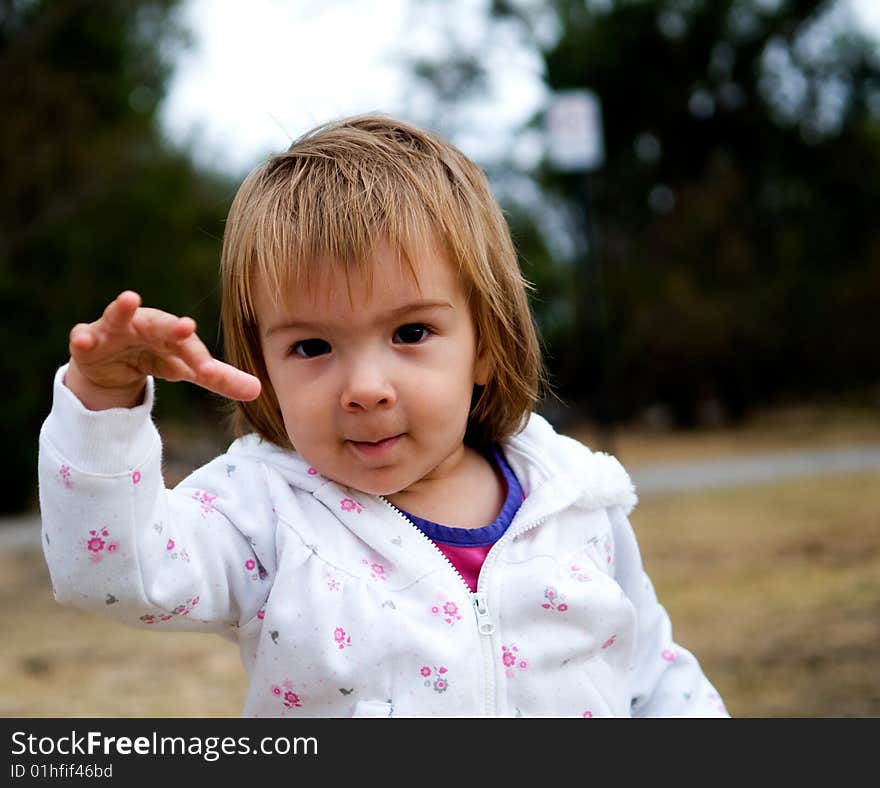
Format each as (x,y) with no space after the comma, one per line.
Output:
(328,200)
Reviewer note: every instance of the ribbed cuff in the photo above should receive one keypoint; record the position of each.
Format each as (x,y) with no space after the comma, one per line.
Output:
(105,441)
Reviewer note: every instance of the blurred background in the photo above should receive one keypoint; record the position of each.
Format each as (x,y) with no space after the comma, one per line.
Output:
(692,185)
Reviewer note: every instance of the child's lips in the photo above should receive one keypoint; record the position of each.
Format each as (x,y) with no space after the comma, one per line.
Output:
(378,447)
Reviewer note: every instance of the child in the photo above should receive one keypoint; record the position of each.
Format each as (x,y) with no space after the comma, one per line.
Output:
(395,533)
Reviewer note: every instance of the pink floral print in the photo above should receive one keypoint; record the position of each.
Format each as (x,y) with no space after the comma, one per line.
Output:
(609,549)
(714,696)
(206,500)
(512,660)
(171,552)
(341,637)
(256,570)
(605,549)
(576,573)
(377,570)
(350,505)
(439,682)
(98,545)
(448,611)
(64,476)
(554,600)
(587,714)
(181,610)
(149,618)
(135,477)
(284,692)
(610,642)
(669,655)
(333,582)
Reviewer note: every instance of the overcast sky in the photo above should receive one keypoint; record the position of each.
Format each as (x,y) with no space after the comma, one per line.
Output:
(262,72)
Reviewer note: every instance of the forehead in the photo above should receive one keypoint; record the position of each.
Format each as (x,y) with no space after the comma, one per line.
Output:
(387,278)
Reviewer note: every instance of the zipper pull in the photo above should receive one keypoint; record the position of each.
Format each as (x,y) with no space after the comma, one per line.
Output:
(484,624)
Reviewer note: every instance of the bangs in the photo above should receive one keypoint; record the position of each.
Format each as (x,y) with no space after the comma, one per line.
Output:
(307,213)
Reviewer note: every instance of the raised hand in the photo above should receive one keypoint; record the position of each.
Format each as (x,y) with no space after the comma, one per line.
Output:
(111,358)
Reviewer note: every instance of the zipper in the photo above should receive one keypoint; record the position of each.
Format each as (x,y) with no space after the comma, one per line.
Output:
(485,625)
(412,525)
(486,628)
(484,622)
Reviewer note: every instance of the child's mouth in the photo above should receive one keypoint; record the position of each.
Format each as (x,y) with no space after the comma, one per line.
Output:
(373,448)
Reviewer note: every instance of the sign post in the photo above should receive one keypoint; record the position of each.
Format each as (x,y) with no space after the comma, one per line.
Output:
(574,131)
(575,144)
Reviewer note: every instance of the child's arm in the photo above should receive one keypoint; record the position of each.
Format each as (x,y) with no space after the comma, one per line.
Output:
(116,541)
(667,679)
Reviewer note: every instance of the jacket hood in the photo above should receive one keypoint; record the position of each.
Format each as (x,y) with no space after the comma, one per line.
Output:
(289,463)
(539,453)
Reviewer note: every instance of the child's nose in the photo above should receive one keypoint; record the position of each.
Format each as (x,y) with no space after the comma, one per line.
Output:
(367,388)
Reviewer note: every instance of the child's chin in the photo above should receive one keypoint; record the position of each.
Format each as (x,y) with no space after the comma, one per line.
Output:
(367,487)
(384,491)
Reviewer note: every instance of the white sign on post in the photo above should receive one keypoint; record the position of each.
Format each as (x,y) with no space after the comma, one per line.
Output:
(574,131)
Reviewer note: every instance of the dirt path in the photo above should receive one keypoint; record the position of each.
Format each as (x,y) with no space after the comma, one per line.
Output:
(754,470)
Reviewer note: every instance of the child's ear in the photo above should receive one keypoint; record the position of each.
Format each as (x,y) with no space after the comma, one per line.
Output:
(482,367)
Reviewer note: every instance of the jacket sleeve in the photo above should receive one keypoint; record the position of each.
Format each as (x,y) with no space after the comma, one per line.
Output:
(667,679)
(117,542)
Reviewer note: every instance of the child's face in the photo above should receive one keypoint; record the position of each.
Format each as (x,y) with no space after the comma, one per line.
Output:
(375,384)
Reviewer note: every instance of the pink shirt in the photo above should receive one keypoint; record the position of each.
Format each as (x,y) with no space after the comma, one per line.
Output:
(466,548)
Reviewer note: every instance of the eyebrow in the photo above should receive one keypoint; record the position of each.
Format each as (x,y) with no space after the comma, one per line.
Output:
(391,314)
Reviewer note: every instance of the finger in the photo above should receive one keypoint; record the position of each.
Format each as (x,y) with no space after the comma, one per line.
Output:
(168,367)
(213,375)
(156,327)
(82,338)
(182,328)
(227,381)
(182,341)
(120,312)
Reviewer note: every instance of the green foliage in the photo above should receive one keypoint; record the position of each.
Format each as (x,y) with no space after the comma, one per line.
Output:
(92,199)
(734,255)
(734,212)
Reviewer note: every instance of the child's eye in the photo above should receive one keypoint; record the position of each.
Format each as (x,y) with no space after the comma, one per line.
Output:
(309,348)
(411,334)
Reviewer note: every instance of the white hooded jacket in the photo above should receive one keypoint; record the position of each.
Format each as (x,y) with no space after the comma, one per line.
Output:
(341,606)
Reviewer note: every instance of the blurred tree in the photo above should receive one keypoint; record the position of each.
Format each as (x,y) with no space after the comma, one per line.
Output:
(736,211)
(92,199)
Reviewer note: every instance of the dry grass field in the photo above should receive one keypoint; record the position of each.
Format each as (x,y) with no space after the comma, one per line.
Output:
(776,589)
